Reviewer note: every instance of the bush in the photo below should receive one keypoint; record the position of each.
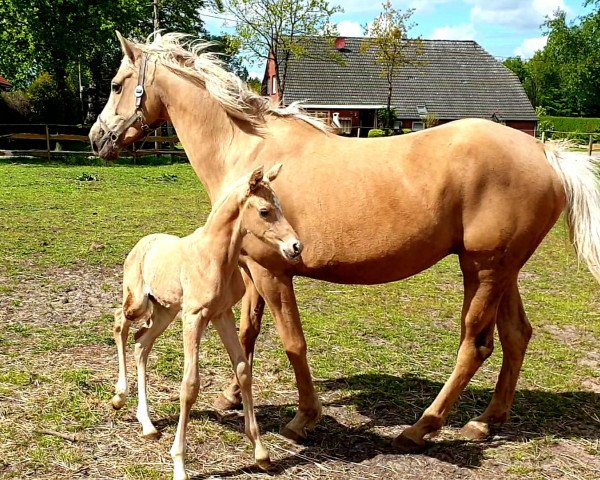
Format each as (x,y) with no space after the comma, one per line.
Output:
(49,103)
(406,130)
(15,107)
(376,132)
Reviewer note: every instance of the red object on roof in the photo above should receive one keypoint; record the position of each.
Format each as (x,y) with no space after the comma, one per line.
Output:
(4,81)
(340,43)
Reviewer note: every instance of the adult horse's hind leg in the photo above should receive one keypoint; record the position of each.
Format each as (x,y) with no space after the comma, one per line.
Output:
(253,306)
(514,331)
(483,291)
(145,337)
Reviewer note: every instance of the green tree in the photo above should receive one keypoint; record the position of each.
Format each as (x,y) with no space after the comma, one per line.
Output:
(66,36)
(280,28)
(387,37)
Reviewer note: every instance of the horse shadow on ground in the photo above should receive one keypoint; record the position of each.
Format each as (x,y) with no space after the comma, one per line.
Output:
(390,401)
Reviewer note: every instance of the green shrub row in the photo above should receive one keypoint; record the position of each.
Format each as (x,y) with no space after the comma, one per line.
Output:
(573,124)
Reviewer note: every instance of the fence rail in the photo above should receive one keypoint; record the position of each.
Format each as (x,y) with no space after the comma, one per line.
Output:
(591,137)
(23,133)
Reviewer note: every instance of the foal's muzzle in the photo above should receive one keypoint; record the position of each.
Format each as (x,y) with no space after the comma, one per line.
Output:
(292,251)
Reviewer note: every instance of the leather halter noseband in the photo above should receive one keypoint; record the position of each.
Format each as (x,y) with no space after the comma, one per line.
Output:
(137,116)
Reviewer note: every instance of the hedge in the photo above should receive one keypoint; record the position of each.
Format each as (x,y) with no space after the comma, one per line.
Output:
(573,124)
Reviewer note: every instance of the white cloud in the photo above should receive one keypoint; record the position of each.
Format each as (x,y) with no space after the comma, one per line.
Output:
(426,6)
(514,13)
(347,28)
(530,46)
(456,32)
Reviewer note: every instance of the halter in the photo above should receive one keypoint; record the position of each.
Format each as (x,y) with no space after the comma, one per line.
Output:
(136,116)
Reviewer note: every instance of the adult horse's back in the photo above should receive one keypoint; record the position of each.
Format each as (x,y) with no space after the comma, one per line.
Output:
(368,210)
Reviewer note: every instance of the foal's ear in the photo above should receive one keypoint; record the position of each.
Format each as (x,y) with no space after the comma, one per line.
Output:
(255,178)
(129,50)
(273,172)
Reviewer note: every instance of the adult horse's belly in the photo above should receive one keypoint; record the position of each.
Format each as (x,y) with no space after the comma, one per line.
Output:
(363,222)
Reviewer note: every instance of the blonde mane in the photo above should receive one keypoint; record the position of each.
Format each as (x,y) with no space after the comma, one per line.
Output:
(190,57)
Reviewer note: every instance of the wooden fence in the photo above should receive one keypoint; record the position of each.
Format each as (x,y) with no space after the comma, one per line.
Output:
(590,137)
(52,140)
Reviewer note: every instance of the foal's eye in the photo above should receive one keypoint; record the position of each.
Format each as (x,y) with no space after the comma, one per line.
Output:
(264,213)
(116,88)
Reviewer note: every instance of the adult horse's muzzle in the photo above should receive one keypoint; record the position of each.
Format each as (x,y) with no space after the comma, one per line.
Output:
(102,143)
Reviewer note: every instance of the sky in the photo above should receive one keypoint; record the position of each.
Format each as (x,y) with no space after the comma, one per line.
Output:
(504,28)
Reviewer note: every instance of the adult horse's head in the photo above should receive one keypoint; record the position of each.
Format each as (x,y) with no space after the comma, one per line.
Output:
(133,108)
(176,77)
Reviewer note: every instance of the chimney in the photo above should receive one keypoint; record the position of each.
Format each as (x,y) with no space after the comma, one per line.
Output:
(340,43)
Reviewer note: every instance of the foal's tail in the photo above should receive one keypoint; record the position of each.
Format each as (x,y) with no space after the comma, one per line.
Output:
(579,175)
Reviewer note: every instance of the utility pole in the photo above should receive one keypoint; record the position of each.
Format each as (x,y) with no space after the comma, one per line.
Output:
(155,15)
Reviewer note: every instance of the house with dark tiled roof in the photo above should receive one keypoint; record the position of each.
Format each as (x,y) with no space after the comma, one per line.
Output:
(4,83)
(448,79)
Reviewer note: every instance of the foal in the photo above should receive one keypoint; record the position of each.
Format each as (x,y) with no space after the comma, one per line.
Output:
(199,276)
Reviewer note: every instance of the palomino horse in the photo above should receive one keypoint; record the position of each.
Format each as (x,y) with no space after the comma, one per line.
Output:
(368,210)
(199,276)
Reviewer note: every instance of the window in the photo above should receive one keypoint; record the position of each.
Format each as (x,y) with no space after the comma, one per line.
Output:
(346,125)
(274,85)
(418,126)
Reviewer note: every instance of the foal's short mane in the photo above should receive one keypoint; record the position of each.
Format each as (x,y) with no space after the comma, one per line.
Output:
(190,57)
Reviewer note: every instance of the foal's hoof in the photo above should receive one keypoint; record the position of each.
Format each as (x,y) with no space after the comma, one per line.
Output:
(151,435)
(291,435)
(264,464)
(475,431)
(117,401)
(223,403)
(407,445)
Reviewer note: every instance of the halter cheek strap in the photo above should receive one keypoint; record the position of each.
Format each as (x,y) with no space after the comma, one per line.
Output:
(137,116)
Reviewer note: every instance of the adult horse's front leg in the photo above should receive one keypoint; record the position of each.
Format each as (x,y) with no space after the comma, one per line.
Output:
(482,296)
(278,291)
(253,306)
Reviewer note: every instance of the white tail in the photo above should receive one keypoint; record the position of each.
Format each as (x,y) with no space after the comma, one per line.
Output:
(579,175)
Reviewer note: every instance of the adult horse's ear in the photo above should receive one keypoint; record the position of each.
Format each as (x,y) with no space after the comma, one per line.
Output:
(255,178)
(129,50)
(273,172)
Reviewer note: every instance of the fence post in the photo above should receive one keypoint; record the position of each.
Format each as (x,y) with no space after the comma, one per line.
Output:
(591,145)
(48,142)
(543,136)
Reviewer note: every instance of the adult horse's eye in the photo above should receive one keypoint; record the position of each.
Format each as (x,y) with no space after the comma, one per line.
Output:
(264,212)
(116,88)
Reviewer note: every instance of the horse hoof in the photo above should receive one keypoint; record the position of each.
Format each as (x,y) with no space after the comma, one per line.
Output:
(117,402)
(475,431)
(264,464)
(222,403)
(406,445)
(291,435)
(152,435)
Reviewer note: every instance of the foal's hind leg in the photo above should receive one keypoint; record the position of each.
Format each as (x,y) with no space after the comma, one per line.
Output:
(253,306)
(145,337)
(514,331)
(243,373)
(483,291)
(120,333)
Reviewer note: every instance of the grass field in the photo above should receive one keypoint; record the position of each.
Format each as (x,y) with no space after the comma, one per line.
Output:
(379,354)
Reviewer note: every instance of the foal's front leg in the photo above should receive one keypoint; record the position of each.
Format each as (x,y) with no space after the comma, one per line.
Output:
(193,327)
(243,373)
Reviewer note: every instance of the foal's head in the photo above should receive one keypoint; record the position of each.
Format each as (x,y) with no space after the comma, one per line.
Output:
(261,215)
